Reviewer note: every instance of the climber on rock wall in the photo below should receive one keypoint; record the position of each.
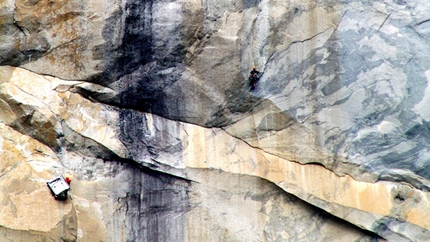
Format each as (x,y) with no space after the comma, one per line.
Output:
(253,78)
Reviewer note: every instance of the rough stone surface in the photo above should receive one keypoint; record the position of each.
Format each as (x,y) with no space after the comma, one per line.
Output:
(146,106)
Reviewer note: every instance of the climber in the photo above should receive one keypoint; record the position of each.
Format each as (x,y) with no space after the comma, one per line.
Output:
(253,78)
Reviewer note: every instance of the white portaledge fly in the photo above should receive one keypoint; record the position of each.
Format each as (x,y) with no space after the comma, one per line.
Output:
(59,188)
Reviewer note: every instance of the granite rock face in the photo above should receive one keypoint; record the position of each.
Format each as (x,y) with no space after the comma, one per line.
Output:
(146,106)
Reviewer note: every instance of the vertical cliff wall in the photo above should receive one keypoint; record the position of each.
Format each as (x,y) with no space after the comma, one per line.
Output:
(146,106)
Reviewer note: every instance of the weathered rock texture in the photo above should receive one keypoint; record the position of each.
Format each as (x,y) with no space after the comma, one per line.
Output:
(146,106)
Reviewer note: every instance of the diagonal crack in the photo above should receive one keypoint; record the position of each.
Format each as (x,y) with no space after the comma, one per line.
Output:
(383,22)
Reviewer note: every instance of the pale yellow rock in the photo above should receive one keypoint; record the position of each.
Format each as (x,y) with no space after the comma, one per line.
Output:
(90,219)
(215,149)
(26,164)
(234,207)
(14,145)
(27,203)
(34,94)
(24,191)
(92,120)
(260,130)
